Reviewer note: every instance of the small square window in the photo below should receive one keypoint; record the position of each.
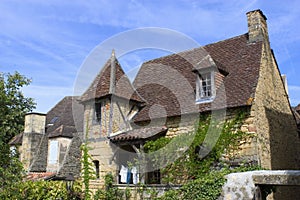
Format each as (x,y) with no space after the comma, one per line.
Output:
(205,87)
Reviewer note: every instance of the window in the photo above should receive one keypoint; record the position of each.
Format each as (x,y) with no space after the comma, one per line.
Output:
(53,152)
(97,168)
(97,114)
(153,177)
(53,120)
(205,87)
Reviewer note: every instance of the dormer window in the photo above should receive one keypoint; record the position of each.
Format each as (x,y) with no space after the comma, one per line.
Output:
(205,87)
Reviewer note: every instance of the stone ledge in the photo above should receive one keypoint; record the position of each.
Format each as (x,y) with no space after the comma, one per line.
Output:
(277,177)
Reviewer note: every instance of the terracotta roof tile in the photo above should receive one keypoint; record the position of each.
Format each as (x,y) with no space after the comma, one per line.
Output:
(35,176)
(138,134)
(101,85)
(171,83)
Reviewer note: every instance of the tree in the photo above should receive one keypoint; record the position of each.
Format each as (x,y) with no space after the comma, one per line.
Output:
(13,107)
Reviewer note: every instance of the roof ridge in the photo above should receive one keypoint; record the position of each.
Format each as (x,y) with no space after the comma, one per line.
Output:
(228,39)
(195,48)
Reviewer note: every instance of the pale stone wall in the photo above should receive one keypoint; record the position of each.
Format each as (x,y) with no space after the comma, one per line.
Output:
(25,154)
(33,132)
(35,123)
(120,111)
(101,149)
(276,127)
(181,125)
(30,146)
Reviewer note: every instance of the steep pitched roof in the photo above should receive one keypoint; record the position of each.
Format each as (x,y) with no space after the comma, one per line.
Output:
(63,131)
(155,81)
(65,118)
(101,86)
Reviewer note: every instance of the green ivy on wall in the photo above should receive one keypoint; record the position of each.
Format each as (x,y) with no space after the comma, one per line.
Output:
(202,177)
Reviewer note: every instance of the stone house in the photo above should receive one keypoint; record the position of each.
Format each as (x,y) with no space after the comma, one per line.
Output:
(49,147)
(117,117)
(168,93)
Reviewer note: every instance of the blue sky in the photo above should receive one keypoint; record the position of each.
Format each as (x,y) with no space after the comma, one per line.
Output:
(48,41)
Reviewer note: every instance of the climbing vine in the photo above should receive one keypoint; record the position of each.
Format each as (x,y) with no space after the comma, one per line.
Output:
(202,176)
(88,172)
(110,192)
(47,190)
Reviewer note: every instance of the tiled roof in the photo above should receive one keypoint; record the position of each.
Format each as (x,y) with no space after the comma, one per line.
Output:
(35,176)
(17,140)
(63,131)
(171,83)
(139,134)
(100,87)
(65,118)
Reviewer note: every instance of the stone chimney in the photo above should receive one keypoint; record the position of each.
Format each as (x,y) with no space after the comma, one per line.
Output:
(284,80)
(34,131)
(35,123)
(257,26)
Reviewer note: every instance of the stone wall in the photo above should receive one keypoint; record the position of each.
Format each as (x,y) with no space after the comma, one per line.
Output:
(35,123)
(273,118)
(113,121)
(114,117)
(34,131)
(277,136)
(30,146)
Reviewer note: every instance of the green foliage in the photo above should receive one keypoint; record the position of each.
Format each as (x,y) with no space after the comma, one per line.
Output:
(223,136)
(88,172)
(207,187)
(154,145)
(203,173)
(12,174)
(110,192)
(13,107)
(36,190)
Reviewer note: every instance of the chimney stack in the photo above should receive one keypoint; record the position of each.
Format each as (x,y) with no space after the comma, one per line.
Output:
(34,131)
(35,123)
(257,26)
